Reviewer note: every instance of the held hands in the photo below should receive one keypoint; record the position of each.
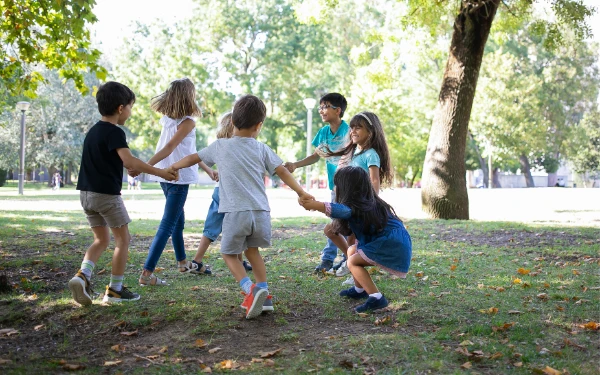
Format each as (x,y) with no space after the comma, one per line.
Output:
(291,167)
(307,201)
(169,174)
(214,176)
(133,172)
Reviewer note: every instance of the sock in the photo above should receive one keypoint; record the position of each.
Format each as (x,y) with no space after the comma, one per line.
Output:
(87,267)
(376,295)
(359,290)
(263,285)
(116,282)
(246,284)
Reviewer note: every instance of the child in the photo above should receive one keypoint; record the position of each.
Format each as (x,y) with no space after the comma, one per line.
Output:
(105,153)
(330,138)
(242,162)
(382,239)
(214,220)
(368,150)
(177,139)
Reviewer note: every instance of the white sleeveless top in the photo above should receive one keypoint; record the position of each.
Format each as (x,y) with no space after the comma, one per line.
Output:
(187,147)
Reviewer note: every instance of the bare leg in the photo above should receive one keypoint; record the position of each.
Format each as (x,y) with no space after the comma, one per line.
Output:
(357,265)
(202,247)
(240,257)
(258,264)
(101,241)
(119,261)
(337,239)
(235,266)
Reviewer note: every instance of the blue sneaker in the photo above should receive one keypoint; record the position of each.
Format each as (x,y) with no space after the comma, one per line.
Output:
(372,304)
(352,293)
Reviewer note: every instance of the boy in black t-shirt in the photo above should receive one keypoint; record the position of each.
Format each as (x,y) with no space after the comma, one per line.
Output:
(105,153)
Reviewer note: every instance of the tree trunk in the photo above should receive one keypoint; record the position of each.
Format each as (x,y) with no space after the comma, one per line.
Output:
(552,179)
(67,178)
(444,193)
(482,163)
(496,179)
(412,180)
(526,171)
(51,172)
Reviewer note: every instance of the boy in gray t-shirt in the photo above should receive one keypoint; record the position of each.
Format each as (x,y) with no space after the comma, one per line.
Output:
(242,161)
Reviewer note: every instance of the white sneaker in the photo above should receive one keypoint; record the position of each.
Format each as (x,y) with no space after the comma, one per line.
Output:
(343,271)
(349,281)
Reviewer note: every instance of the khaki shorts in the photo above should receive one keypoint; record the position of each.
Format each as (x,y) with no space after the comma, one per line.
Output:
(244,229)
(104,209)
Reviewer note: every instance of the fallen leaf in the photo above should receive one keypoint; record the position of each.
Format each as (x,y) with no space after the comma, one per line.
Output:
(207,369)
(523,271)
(163,350)
(500,289)
(257,360)
(594,326)
(154,356)
(542,296)
(228,364)
(5,361)
(269,362)
(132,333)
(478,353)
(453,267)
(575,272)
(574,345)
(419,274)
(518,364)
(513,312)
(112,363)
(466,365)
(8,332)
(121,323)
(466,343)
(72,367)
(463,351)
(158,269)
(496,355)
(491,310)
(269,354)
(550,371)
(144,313)
(195,287)
(102,271)
(39,327)
(503,327)
(118,348)
(214,350)
(171,303)
(200,343)
(363,315)
(381,321)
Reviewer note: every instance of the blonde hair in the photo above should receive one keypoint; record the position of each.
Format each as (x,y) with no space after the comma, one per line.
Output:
(178,101)
(225,129)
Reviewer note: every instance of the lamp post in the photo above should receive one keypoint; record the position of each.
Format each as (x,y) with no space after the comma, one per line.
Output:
(309,103)
(22,106)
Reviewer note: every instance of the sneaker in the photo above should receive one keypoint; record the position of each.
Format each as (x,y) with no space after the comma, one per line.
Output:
(349,281)
(372,304)
(81,290)
(352,293)
(247,266)
(199,268)
(267,305)
(324,266)
(337,266)
(343,270)
(125,295)
(253,303)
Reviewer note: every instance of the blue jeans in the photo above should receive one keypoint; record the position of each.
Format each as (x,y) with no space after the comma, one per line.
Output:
(330,250)
(171,225)
(213,225)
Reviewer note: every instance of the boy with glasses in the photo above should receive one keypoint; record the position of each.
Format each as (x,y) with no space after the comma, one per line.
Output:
(330,138)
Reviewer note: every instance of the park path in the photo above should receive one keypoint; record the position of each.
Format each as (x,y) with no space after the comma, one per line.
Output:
(550,206)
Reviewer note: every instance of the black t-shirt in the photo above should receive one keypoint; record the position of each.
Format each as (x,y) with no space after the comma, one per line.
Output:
(101,167)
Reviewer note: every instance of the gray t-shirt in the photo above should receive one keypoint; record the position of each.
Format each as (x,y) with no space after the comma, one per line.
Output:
(242,164)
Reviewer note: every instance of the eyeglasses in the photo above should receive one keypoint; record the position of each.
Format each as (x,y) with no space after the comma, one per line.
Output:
(324,107)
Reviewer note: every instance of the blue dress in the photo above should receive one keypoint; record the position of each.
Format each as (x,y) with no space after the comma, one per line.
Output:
(390,249)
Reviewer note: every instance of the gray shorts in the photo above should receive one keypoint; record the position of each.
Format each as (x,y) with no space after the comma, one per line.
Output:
(103,209)
(244,229)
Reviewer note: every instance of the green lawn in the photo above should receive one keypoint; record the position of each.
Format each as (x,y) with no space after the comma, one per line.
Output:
(491,297)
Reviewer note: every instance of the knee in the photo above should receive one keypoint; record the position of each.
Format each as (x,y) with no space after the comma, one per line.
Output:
(328,230)
(102,241)
(351,250)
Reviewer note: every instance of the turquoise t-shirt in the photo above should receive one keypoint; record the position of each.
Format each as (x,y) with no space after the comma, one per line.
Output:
(365,159)
(335,142)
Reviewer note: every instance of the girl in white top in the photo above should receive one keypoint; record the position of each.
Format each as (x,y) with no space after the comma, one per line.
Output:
(177,139)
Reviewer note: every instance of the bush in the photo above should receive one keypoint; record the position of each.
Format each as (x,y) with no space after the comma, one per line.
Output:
(2,177)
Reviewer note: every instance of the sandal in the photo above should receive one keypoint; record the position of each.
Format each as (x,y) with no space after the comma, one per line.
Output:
(199,268)
(151,280)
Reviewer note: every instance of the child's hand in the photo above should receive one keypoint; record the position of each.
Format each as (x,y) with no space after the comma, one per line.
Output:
(170,174)
(291,167)
(306,197)
(308,204)
(133,172)
(215,176)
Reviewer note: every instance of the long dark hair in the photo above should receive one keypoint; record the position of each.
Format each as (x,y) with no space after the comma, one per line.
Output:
(376,141)
(354,189)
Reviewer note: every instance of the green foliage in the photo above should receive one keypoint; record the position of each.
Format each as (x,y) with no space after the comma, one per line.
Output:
(584,147)
(49,33)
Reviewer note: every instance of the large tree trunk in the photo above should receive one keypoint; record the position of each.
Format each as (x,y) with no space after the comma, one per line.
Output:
(482,163)
(51,172)
(414,177)
(444,193)
(496,179)
(526,168)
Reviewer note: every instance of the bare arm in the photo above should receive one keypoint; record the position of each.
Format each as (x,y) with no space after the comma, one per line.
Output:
(374,174)
(312,205)
(188,161)
(184,129)
(312,159)
(290,181)
(131,162)
(211,173)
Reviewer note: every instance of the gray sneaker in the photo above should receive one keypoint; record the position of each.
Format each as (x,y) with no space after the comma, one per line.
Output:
(80,289)
(342,270)
(125,295)
(324,266)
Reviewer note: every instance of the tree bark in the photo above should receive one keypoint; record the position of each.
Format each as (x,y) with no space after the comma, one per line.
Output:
(51,172)
(526,168)
(496,179)
(444,193)
(414,177)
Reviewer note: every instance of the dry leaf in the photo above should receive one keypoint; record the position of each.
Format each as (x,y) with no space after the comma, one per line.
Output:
(171,303)
(513,312)
(5,361)
(500,289)
(496,355)
(72,367)
(207,369)
(8,332)
(118,348)
(491,310)
(518,364)
(163,350)
(269,354)
(269,362)
(121,323)
(154,356)
(594,326)
(503,327)
(466,343)
(158,269)
(523,271)
(200,343)
(144,313)
(257,360)
(132,333)
(195,287)
(226,364)
(39,327)
(101,272)
(363,315)
(466,365)
(214,350)
(381,321)
(112,363)
(419,274)
(550,371)
(453,267)
(575,272)
(542,296)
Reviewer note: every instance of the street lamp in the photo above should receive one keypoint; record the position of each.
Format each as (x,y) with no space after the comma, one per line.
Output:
(22,106)
(309,103)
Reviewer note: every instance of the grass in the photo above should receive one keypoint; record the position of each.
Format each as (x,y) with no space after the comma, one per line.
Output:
(493,297)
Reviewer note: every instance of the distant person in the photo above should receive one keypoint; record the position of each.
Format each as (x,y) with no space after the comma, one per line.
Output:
(130,182)
(330,138)
(382,238)
(56,181)
(177,139)
(242,162)
(105,153)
